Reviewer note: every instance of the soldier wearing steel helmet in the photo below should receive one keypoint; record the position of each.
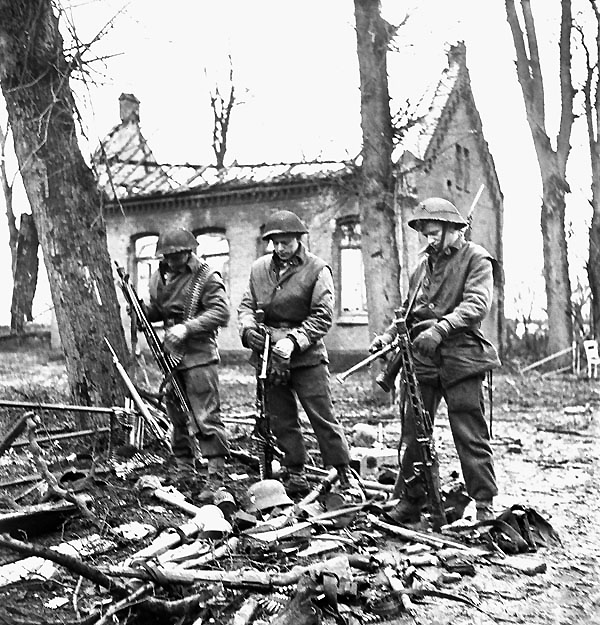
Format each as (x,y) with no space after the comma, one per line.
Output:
(451,292)
(295,290)
(190,299)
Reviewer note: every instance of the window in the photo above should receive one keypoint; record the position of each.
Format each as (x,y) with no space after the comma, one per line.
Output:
(353,295)
(462,168)
(145,263)
(213,247)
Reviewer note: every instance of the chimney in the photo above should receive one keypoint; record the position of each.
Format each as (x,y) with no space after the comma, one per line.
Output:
(129,108)
(458,54)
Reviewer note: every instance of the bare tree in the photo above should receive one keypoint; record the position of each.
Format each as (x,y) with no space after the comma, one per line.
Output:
(23,243)
(221,109)
(552,162)
(591,93)
(62,192)
(378,221)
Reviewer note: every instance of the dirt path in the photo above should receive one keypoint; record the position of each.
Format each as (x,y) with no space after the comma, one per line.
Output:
(547,460)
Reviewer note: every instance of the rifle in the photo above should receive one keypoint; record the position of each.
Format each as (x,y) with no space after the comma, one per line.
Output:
(159,430)
(428,468)
(341,377)
(165,363)
(267,446)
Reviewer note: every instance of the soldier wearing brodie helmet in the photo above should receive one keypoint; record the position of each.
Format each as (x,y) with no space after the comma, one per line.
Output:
(190,299)
(452,292)
(294,288)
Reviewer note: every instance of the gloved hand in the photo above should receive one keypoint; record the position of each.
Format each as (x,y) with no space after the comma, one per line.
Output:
(428,341)
(279,370)
(254,339)
(379,342)
(175,335)
(284,348)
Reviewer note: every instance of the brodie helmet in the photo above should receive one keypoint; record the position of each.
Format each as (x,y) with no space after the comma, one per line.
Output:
(436,209)
(175,240)
(283,222)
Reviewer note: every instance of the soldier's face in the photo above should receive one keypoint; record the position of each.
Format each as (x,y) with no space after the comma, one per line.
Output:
(433,231)
(176,262)
(285,245)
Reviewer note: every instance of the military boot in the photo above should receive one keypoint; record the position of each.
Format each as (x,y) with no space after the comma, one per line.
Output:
(343,479)
(295,482)
(408,509)
(484,510)
(214,479)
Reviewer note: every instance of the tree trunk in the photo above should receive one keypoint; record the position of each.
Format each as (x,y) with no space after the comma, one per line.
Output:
(552,163)
(378,220)
(591,92)
(25,274)
(62,192)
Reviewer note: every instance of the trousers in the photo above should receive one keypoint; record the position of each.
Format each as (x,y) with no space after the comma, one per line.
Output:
(466,414)
(310,386)
(205,426)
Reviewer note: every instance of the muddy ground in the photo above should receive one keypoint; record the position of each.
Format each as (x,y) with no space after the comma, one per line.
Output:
(546,443)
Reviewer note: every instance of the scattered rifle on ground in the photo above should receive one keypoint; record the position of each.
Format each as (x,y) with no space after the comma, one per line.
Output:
(165,363)
(158,429)
(267,446)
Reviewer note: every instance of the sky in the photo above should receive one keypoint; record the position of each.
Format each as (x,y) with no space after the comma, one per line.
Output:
(296,76)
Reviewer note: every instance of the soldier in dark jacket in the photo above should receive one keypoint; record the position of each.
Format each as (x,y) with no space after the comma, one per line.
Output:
(451,291)
(294,288)
(190,299)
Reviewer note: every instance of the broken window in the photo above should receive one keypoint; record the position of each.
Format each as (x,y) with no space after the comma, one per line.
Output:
(213,247)
(145,262)
(353,294)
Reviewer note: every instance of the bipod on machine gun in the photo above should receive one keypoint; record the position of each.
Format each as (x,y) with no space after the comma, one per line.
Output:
(267,446)
(165,363)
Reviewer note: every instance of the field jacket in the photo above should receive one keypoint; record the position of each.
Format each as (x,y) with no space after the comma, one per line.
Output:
(457,286)
(299,304)
(169,295)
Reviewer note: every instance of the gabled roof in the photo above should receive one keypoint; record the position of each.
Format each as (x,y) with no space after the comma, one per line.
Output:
(126,167)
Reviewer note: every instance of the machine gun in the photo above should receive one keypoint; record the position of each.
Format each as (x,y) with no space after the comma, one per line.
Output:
(428,468)
(165,363)
(267,446)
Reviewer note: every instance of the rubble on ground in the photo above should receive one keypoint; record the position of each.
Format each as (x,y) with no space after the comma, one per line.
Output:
(254,555)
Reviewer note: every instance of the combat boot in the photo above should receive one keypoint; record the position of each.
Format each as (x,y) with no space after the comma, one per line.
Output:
(295,482)
(484,510)
(343,479)
(407,510)
(214,480)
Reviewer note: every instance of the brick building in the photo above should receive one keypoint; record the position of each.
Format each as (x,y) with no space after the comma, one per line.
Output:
(443,154)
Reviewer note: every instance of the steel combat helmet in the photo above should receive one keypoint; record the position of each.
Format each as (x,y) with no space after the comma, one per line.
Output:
(268,494)
(283,222)
(175,240)
(436,209)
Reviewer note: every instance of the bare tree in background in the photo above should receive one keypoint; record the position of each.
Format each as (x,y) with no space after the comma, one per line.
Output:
(378,222)
(552,162)
(591,92)
(23,243)
(221,109)
(62,192)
